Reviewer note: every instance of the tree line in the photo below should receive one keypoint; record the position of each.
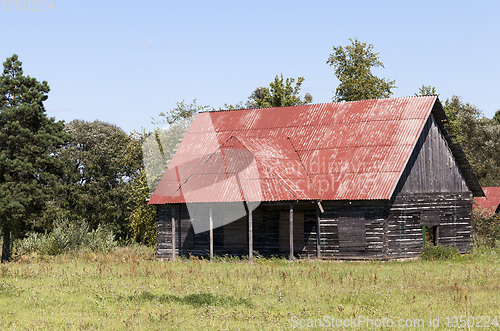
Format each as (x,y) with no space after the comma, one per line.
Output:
(54,173)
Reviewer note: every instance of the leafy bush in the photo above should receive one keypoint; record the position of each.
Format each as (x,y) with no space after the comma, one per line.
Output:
(100,240)
(32,243)
(439,252)
(142,218)
(67,237)
(486,227)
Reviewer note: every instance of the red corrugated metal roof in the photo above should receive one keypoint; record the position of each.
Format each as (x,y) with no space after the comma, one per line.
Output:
(242,169)
(334,151)
(491,201)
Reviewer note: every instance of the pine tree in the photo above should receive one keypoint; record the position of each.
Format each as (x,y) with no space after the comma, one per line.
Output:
(28,141)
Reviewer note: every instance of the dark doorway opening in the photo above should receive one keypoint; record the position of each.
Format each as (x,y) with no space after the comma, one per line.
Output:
(431,235)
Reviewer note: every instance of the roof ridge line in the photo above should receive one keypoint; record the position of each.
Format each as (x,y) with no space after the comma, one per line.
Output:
(360,146)
(317,104)
(309,125)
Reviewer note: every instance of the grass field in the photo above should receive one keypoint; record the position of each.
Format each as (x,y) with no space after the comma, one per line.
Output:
(129,289)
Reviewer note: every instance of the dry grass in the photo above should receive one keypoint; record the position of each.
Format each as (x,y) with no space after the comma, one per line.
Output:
(129,289)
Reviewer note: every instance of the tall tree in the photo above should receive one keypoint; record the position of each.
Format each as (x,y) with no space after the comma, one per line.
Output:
(353,65)
(280,93)
(426,90)
(28,141)
(496,117)
(479,137)
(154,149)
(179,112)
(98,175)
(142,217)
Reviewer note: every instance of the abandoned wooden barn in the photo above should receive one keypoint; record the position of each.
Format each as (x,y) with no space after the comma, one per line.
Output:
(350,180)
(491,201)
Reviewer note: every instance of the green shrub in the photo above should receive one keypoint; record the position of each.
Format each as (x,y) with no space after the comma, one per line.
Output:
(67,237)
(32,243)
(486,227)
(100,240)
(439,252)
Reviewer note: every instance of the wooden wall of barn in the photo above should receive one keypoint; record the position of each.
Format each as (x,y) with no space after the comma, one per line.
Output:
(450,212)
(353,230)
(346,231)
(431,167)
(270,231)
(360,230)
(432,192)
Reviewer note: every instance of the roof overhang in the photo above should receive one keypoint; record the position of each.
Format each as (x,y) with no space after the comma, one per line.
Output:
(458,153)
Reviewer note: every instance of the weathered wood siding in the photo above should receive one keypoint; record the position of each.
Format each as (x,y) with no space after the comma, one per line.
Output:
(187,242)
(431,192)
(453,213)
(361,230)
(163,231)
(353,230)
(431,167)
(270,228)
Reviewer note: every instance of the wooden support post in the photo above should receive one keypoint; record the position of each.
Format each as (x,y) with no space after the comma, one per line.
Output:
(211,234)
(179,229)
(318,234)
(250,233)
(423,235)
(173,234)
(291,232)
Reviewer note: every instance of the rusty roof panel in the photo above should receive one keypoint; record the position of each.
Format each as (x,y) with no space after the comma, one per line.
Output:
(245,121)
(368,159)
(226,120)
(167,188)
(282,162)
(267,190)
(187,161)
(198,144)
(491,201)
(354,186)
(220,176)
(348,151)
(202,123)
(390,132)
(204,187)
(266,119)
(270,148)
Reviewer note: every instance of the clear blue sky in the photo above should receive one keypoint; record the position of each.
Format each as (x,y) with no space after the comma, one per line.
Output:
(125,62)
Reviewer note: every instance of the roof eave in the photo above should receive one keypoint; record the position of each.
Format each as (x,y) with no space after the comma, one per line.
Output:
(457,151)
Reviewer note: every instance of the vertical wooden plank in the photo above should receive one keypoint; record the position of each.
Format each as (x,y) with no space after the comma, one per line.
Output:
(173,233)
(211,233)
(318,234)
(250,233)
(291,232)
